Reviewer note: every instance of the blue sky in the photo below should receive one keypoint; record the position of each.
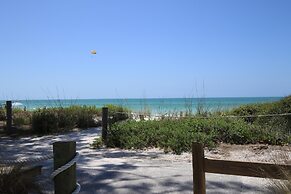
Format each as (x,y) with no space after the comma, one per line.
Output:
(145,48)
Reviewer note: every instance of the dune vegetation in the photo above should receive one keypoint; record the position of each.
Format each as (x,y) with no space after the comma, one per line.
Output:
(176,135)
(59,119)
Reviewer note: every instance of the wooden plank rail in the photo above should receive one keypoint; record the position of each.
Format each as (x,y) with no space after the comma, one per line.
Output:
(201,165)
(262,170)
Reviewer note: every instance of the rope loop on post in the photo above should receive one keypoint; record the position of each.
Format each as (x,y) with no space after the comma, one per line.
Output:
(43,158)
(65,167)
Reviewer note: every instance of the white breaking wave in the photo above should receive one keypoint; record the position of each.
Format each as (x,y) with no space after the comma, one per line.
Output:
(17,104)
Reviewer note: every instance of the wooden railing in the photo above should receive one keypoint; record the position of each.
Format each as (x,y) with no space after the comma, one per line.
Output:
(201,165)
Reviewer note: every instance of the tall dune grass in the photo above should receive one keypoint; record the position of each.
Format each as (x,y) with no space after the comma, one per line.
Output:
(281,186)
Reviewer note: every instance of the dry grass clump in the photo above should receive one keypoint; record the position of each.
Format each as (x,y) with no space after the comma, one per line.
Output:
(14,181)
(281,186)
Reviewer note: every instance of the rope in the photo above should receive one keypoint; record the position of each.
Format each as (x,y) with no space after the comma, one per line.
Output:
(223,116)
(227,116)
(78,188)
(26,161)
(65,167)
(124,113)
(237,116)
(267,115)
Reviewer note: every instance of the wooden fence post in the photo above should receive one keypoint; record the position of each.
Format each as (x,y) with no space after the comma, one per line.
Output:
(198,169)
(8,115)
(141,116)
(104,124)
(65,182)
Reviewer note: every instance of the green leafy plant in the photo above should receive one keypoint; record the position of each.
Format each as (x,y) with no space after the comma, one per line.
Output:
(97,143)
(177,135)
(117,113)
(277,123)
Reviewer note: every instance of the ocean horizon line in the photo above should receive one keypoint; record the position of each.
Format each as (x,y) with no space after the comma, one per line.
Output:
(154,104)
(143,98)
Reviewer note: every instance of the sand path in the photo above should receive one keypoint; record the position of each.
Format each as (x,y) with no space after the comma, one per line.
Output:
(123,171)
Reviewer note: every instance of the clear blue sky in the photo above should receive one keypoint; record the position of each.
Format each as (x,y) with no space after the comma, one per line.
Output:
(145,48)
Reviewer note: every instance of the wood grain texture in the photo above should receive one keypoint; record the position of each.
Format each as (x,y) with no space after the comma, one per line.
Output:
(263,170)
(104,124)
(198,169)
(65,182)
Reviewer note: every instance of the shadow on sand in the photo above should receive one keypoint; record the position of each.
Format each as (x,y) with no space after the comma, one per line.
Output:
(121,171)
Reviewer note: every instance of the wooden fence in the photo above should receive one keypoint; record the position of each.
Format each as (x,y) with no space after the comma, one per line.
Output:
(201,165)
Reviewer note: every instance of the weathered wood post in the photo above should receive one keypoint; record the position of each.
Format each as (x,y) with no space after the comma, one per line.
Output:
(104,124)
(289,124)
(65,182)
(8,115)
(141,116)
(198,169)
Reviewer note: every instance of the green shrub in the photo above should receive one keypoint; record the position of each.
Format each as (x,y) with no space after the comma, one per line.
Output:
(246,110)
(66,118)
(21,117)
(86,116)
(97,143)
(177,135)
(117,113)
(282,123)
(59,119)
(49,120)
(45,121)
(2,114)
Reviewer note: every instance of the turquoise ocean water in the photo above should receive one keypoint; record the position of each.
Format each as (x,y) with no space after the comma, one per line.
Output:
(155,105)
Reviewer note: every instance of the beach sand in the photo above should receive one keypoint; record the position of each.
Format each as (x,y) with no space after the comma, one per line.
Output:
(143,171)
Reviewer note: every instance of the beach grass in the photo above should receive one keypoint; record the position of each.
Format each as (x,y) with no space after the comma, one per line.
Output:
(13,180)
(282,186)
(60,119)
